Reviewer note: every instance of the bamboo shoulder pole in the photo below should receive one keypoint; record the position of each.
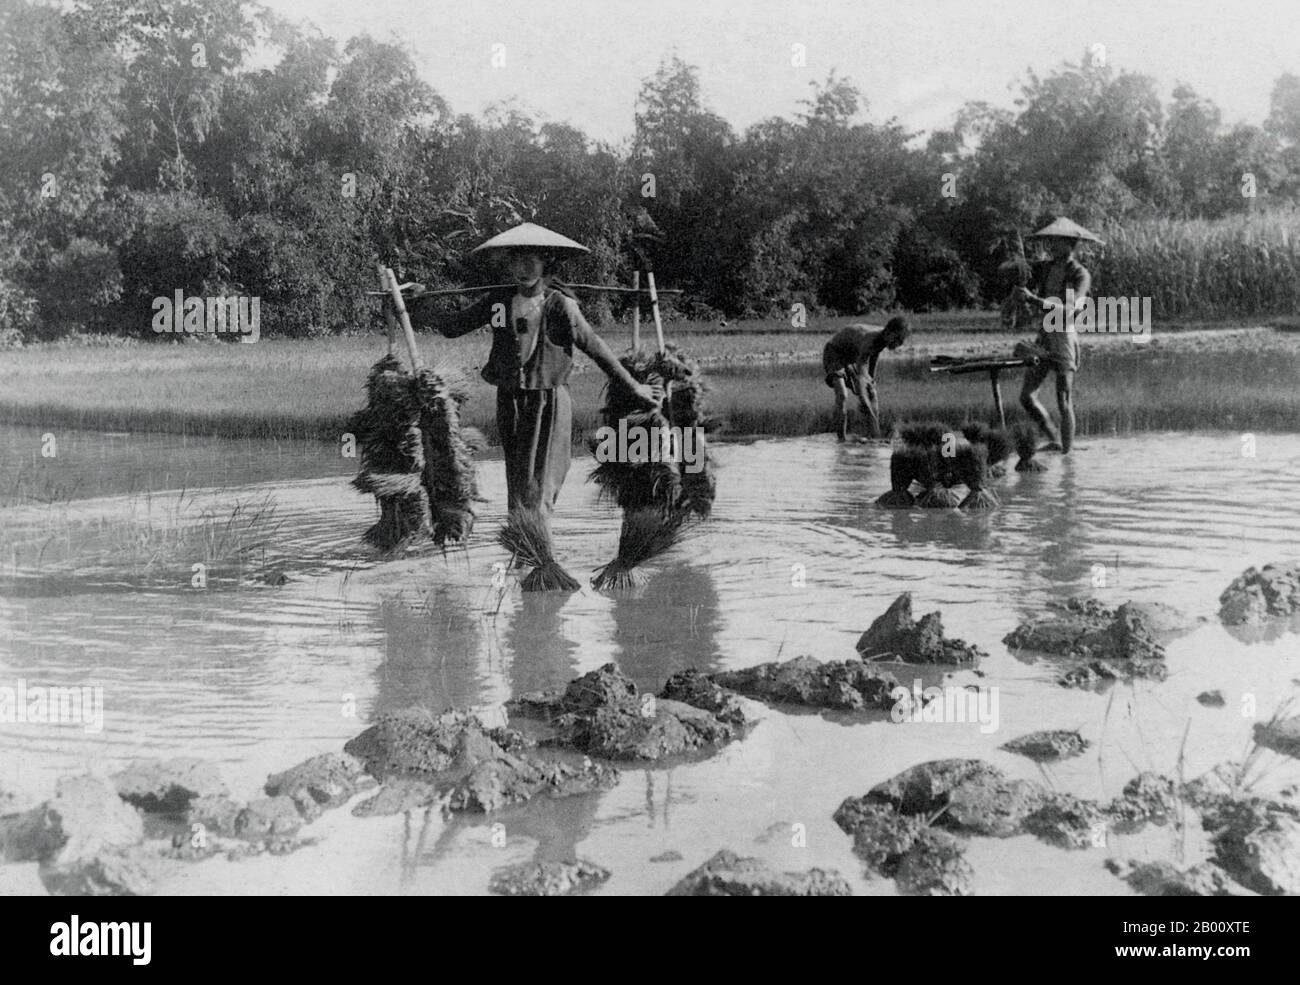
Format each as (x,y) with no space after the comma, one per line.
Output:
(636,311)
(390,284)
(654,308)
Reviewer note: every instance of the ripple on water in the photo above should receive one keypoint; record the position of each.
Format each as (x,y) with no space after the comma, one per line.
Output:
(798,561)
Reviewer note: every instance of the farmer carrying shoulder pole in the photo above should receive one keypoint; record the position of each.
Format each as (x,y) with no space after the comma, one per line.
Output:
(849,362)
(535,328)
(1058,284)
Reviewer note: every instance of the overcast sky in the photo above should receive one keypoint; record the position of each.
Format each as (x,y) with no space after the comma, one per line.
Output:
(581,61)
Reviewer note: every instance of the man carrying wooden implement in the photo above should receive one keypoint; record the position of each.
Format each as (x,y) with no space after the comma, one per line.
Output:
(1053,281)
(849,362)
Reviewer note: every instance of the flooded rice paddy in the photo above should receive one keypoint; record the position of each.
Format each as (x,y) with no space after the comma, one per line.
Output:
(99,590)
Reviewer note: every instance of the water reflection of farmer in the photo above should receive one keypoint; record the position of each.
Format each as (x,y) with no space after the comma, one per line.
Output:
(1052,281)
(535,328)
(849,362)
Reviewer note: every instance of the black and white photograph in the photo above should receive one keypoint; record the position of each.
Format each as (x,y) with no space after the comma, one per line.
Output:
(651,447)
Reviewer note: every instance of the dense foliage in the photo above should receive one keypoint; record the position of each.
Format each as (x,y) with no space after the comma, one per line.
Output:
(147,151)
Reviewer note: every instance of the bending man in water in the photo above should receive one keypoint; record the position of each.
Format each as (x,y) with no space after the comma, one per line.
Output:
(849,362)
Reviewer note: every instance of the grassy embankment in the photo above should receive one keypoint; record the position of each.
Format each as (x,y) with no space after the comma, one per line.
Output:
(765,379)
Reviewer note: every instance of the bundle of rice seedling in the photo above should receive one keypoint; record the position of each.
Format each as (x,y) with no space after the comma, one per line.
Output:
(392,456)
(646,533)
(657,497)
(935,470)
(416,459)
(449,472)
(527,536)
(973,467)
(1026,442)
(995,440)
(906,465)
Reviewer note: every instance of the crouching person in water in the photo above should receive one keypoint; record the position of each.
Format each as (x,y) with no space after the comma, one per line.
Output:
(849,362)
(536,325)
(1053,281)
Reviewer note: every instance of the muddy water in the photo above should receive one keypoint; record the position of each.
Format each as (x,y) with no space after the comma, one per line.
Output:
(797,561)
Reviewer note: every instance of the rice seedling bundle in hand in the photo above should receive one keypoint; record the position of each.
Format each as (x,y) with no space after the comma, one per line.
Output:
(392,456)
(527,537)
(657,497)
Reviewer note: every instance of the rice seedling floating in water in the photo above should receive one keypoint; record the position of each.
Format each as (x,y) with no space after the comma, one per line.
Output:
(392,456)
(527,536)
(1026,442)
(996,442)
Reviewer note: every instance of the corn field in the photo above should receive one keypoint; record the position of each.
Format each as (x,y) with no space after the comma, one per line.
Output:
(1201,269)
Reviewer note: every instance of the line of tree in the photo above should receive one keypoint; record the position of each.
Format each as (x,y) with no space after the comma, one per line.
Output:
(146,152)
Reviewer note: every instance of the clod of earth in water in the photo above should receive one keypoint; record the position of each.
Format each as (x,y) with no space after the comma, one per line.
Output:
(1049,745)
(728,874)
(1148,797)
(124,872)
(692,687)
(602,714)
(322,782)
(268,817)
(921,860)
(965,795)
(548,879)
(1166,879)
(1121,643)
(84,818)
(935,865)
(473,768)
(1211,699)
(1256,841)
(87,840)
(1259,595)
(168,787)
(1281,736)
(846,684)
(216,814)
(896,636)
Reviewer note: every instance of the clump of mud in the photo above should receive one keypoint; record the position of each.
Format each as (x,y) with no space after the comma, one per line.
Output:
(913,823)
(848,685)
(1166,879)
(1259,595)
(1048,746)
(548,879)
(1281,735)
(728,874)
(453,759)
(1122,643)
(603,714)
(896,636)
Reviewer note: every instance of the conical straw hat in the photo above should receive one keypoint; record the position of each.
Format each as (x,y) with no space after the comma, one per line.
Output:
(529,235)
(1066,229)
